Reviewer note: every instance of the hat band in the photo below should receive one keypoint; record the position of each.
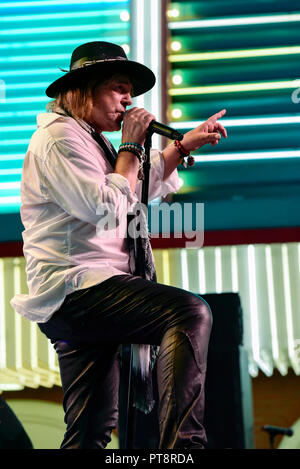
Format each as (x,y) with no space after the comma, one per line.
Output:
(85,63)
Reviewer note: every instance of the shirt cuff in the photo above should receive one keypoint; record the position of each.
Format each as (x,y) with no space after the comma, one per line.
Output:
(170,185)
(120,182)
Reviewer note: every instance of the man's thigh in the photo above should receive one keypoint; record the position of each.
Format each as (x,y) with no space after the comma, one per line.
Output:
(123,309)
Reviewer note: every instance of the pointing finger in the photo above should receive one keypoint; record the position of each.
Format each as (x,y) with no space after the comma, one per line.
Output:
(217,116)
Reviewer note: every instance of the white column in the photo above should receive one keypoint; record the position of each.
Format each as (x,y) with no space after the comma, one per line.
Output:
(147,46)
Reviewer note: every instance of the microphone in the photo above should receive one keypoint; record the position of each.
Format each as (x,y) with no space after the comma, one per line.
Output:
(162,129)
(277,430)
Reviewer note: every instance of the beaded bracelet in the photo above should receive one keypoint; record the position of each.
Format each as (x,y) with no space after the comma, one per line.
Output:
(132,149)
(139,152)
(183,154)
(137,145)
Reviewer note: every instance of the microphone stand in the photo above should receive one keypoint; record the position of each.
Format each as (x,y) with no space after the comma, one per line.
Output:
(146,167)
(127,439)
(273,431)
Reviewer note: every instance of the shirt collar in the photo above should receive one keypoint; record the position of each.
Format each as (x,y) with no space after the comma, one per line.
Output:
(81,122)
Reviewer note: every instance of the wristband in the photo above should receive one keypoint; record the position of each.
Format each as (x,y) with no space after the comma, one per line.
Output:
(137,145)
(183,154)
(139,153)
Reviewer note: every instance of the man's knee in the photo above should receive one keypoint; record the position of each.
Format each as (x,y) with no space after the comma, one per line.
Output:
(200,311)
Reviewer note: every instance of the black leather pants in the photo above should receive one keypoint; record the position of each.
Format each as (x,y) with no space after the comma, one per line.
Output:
(87,332)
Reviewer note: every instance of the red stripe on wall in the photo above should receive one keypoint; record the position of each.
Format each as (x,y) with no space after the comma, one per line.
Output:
(11,249)
(211,238)
(233,237)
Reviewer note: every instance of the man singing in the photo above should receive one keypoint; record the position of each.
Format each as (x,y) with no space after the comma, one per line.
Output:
(83,292)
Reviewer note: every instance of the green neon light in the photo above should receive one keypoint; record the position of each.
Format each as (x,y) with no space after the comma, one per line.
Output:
(66,16)
(60,42)
(8,172)
(6,115)
(17,128)
(38,71)
(12,157)
(58,29)
(17,141)
(233,88)
(245,20)
(217,157)
(234,54)
(23,86)
(28,99)
(9,185)
(10,200)
(35,58)
(56,2)
(294,119)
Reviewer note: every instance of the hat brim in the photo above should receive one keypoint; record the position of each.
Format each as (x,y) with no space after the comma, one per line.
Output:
(142,78)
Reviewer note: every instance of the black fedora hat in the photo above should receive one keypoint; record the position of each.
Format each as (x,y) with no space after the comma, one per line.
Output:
(103,59)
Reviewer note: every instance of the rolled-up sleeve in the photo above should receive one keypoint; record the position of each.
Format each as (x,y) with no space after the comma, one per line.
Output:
(157,186)
(72,179)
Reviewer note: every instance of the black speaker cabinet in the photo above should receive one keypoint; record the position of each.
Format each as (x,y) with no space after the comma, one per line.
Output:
(228,391)
(12,433)
(228,411)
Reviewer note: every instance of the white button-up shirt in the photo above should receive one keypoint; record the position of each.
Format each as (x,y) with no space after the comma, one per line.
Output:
(66,179)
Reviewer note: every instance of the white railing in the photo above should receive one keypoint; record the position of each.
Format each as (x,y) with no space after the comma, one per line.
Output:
(27,357)
(267,278)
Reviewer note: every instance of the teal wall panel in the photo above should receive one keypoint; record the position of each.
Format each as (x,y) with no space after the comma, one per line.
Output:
(36,39)
(239,44)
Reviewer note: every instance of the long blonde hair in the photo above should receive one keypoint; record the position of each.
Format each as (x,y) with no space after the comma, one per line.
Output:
(77,101)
